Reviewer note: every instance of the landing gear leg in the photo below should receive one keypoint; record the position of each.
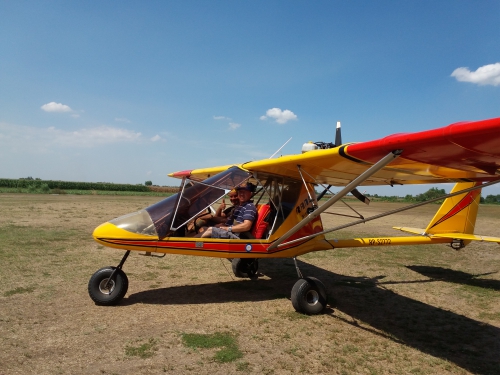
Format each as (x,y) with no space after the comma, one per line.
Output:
(109,285)
(308,294)
(299,274)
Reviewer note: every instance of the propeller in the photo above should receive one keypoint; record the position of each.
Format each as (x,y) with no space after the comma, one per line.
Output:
(363,198)
(338,142)
(338,135)
(355,192)
(322,194)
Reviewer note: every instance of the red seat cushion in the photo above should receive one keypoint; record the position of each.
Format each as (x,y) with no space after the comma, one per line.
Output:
(260,224)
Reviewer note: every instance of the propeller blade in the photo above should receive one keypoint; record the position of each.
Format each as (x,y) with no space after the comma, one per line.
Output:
(338,135)
(360,196)
(322,194)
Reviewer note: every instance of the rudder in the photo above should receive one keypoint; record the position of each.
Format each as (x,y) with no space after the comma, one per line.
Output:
(457,214)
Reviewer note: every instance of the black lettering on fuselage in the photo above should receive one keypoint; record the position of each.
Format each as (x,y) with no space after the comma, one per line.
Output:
(302,205)
(379,241)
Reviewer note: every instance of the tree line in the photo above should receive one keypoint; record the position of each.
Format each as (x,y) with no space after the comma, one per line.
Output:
(431,194)
(36,183)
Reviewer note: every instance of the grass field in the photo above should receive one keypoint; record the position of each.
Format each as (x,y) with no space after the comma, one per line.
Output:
(413,310)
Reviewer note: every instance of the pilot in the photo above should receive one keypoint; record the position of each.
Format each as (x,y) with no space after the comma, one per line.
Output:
(242,219)
(221,215)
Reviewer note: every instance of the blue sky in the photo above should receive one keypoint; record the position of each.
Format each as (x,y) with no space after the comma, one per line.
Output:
(129,91)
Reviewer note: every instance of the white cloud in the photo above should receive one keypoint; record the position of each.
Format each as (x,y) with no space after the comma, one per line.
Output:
(155,138)
(42,139)
(222,118)
(55,107)
(94,136)
(233,126)
(281,117)
(485,75)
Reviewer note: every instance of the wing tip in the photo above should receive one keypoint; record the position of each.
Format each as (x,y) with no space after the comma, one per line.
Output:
(181,174)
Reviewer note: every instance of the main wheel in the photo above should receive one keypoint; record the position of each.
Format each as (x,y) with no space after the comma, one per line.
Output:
(309,296)
(245,267)
(107,293)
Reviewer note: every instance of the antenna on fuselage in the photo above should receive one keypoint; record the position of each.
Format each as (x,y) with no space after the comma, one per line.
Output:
(270,157)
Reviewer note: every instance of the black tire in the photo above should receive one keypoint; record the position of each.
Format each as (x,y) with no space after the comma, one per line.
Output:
(245,267)
(116,290)
(309,296)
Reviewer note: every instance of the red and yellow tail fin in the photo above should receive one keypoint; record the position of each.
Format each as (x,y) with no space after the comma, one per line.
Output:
(457,214)
(456,218)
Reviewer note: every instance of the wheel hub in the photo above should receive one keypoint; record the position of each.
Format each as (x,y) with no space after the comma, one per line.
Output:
(312,297)
(107,286)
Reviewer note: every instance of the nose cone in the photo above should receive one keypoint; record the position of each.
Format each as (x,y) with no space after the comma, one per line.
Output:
(105,231)
(108,234)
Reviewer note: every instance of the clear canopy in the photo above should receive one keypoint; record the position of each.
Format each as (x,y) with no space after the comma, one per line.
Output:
(165,217)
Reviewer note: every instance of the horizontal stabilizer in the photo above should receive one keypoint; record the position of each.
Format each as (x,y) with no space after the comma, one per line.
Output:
(467,237)
(452,236)
(411,230)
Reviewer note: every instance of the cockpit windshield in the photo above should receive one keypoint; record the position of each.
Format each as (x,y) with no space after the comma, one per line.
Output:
(137,222)
(173,212)
(170,216)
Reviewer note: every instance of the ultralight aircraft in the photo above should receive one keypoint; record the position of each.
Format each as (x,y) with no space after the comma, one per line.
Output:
(289,221)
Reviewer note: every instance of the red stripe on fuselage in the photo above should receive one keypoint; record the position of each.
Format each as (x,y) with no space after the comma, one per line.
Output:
(221,247)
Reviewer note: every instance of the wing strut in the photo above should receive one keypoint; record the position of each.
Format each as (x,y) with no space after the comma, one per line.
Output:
(348,188)
(314,203)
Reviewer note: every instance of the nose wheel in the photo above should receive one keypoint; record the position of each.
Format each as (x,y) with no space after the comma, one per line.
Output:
(109,285)
(105,290)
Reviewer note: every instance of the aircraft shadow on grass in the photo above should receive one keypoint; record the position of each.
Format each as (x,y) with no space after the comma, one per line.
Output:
(458,277)
(470,344)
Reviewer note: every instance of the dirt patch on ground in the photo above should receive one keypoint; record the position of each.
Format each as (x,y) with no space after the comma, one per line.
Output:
(413,310)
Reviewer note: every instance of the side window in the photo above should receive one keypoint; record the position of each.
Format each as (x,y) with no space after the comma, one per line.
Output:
(289,198)
(281,195)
